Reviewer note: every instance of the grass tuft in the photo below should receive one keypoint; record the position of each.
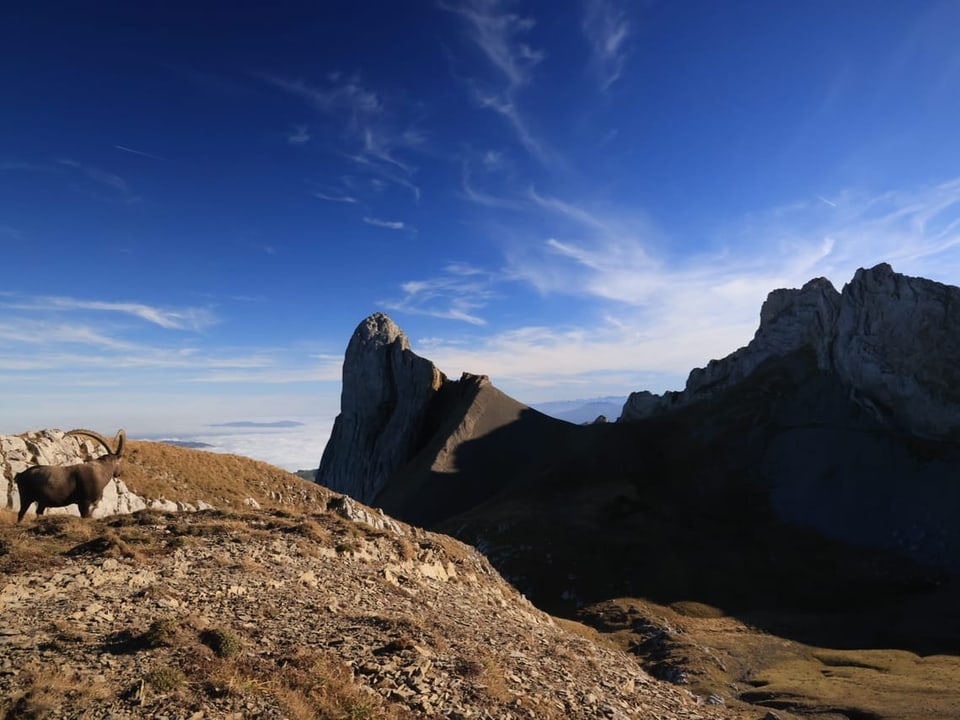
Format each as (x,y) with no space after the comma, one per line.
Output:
(223,642)
(165,679)
(161,633)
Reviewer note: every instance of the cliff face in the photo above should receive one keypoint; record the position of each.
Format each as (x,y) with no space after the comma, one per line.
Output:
(892,340)
(896,343)
(386,389)
(419,445)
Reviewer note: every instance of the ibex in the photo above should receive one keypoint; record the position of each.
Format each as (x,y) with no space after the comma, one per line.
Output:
(82,484)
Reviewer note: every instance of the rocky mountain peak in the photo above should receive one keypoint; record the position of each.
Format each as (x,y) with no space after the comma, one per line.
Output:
(892,339)
(379,331)
(386,387)
(789,321)
(897,346)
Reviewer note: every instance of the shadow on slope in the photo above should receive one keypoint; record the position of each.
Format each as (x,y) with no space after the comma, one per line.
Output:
(682,508)
(476,442)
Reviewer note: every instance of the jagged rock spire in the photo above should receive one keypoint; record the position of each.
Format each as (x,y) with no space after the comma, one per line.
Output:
(386,387)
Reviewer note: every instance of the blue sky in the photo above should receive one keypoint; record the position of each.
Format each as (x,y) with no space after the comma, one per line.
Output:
(200,201)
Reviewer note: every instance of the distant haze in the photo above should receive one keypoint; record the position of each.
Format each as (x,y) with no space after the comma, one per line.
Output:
(583,411)
(251,424)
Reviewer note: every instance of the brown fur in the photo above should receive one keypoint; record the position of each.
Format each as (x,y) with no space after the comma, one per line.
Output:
(59,486)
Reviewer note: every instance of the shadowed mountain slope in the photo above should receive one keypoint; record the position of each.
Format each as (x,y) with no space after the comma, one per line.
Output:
(784,527)
(476,442)
(806,483)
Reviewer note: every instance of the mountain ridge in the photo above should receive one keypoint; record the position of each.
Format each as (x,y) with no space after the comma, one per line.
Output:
(791,487)
(891,338)
(871,365)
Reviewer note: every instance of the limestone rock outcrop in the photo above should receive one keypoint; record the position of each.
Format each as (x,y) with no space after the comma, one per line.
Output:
(386,389)
(897,345)
(52,447)
(892,340)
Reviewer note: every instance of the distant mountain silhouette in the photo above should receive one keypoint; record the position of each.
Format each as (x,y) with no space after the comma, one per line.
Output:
(583,411)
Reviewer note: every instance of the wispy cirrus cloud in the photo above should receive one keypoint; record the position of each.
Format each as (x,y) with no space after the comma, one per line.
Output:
(569,211)
(388,224)
(26,166)
(141,153)
(107,182)
(653,316)
(99,363)
(387,172)
(493,160)
(378,148)
(300,135)
(73,345)
(33,332)
(102,354)
(606,27)
(478,196)
(506,106)
(189,318)
(498,34)
(457,294)
(349,199)
(82,177)
(341,96)
(374,138)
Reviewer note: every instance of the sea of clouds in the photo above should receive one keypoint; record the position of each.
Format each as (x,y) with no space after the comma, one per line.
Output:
(292,443)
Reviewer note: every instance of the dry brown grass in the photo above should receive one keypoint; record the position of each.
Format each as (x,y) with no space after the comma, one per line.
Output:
(405,549)
(495,680)
(50,691)
(42,542)
(313,531)
(306,685)
(66,631)
(588,633)
(157,470)
(719,652)
(864,683)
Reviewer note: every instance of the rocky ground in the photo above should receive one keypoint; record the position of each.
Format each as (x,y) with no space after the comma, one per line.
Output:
(280,614)
(290,601)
